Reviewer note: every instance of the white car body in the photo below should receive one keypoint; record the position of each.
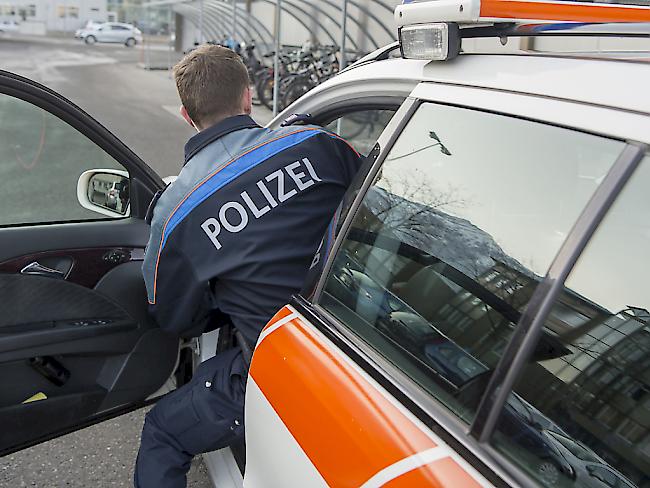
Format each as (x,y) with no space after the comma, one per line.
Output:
(598,96)
(90,25)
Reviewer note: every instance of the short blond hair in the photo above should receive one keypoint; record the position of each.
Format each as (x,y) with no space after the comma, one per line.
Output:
(211,81)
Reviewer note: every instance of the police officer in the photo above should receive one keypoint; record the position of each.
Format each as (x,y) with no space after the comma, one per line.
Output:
(232,237)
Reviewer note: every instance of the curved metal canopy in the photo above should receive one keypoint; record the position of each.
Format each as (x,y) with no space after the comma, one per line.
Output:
(218,17)
(243,18)
(221,21)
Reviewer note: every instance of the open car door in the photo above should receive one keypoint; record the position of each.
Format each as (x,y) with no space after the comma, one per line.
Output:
(76,343)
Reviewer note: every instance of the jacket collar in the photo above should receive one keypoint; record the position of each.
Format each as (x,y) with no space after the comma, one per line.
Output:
(214,132)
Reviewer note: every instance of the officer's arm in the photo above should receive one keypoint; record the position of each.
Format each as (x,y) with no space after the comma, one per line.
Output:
(178,301)
(183,303)
(348,159)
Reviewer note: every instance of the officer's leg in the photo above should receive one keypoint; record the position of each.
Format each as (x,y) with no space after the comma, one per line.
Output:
(204,415)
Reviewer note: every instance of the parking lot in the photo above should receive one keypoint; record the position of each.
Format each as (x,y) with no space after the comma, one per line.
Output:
(141,107)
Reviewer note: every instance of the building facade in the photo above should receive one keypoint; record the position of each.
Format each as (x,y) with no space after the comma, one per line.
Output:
(41,16)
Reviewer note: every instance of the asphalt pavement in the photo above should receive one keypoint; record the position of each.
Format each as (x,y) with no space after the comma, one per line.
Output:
(140,106)
(99,456)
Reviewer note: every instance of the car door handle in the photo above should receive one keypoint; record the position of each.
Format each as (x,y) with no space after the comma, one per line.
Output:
(38,269)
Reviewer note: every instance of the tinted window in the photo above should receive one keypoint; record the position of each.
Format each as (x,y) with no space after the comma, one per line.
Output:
(450,242)
(595,389)
(361,128)
(41,159)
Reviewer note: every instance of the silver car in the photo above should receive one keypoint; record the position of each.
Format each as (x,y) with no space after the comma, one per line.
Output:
(116,32)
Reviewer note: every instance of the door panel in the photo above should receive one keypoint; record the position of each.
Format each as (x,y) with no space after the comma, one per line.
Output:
(82,266)
(19,243)
(84,345)
(76,342)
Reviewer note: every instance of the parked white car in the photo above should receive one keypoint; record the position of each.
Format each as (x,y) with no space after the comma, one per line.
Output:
(115,32)
(9,26)
(90,25)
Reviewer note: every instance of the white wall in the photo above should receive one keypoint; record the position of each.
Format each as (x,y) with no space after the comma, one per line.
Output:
(58,15)
(33,28)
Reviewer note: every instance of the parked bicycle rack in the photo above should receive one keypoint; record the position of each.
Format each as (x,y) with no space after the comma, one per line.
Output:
(214,19)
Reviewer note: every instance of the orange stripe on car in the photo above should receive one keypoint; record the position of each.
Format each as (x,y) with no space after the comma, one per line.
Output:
(347,427)
(563,11)
(444,472)
(280,314)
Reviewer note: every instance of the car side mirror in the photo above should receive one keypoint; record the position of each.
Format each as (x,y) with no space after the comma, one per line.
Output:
(105,191)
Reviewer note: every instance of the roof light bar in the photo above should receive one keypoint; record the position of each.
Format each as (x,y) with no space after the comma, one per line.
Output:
(461,11)
(475,11)
(436,42)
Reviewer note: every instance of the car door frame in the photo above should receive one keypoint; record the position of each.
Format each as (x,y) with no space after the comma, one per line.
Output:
(467,440)
(143,180)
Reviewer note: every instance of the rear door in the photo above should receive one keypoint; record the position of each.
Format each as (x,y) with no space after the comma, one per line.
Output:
(76,343)
(425,283)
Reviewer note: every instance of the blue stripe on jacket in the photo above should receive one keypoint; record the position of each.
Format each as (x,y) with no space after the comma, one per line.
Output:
(230,172)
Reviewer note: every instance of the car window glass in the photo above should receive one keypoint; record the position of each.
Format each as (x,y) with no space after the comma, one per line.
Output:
(450,242)
(41,159)
(595,387)
(361,128)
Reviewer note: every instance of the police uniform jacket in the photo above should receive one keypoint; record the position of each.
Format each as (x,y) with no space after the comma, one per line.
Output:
(236,232)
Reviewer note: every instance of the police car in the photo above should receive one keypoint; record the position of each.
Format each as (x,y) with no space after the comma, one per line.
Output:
(477,314)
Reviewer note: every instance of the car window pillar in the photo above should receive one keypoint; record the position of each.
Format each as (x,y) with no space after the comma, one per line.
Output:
(529,327)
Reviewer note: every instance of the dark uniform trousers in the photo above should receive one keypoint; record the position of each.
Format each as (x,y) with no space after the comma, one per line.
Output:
(204,415)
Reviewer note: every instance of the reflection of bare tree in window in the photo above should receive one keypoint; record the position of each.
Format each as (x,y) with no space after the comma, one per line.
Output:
(417,197)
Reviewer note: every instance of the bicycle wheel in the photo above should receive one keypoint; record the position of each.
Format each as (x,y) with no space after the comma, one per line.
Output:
(296,89)
(265,91)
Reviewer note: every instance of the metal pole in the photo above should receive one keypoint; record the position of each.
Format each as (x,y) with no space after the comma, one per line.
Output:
(344,32)
(201,22)
(147,38)
(248,16)
(234,20)
(169,41)
(276,62)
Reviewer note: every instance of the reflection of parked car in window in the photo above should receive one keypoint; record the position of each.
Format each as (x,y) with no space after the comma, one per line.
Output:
(589,468)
